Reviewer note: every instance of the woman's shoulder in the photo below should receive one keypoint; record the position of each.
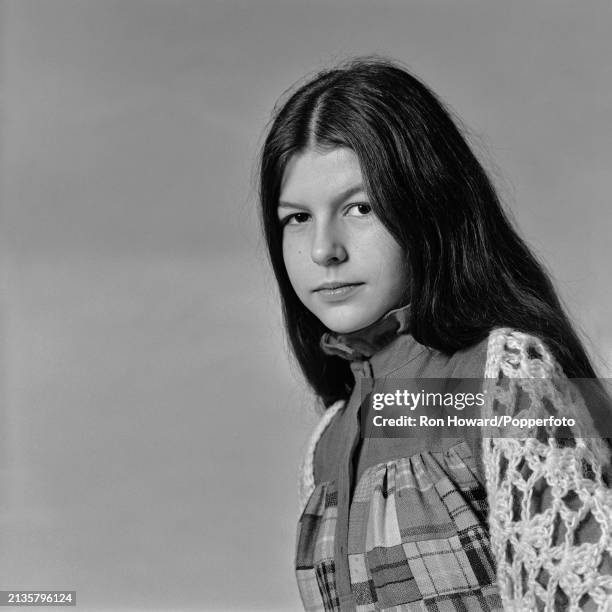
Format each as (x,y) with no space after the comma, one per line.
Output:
(482,358)
(525,383)
(471,361)
(520,354)
(306,480)
(507,349)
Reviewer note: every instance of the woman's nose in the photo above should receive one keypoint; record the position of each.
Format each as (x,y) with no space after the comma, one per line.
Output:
(327,246)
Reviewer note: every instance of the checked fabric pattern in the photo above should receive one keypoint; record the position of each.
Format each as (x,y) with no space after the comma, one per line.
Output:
(418,538)
(419,526)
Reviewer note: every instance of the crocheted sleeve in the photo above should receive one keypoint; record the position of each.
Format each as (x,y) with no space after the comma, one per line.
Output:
(306,483)
(550,511)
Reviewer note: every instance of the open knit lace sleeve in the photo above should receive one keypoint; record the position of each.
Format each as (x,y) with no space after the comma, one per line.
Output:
(550,511)
(306,482)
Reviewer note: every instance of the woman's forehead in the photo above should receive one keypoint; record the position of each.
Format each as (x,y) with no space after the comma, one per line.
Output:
(316,174)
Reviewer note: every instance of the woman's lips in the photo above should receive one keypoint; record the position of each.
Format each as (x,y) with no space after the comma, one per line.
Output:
(335,294)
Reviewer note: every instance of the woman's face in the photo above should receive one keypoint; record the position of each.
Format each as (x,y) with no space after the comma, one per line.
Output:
(342,262)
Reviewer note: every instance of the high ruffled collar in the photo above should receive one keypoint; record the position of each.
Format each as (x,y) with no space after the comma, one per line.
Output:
(363,343)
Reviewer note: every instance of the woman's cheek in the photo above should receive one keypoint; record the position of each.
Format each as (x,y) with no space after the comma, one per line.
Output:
(295,266)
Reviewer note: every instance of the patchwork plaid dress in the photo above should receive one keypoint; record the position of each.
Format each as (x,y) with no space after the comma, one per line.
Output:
(395,523)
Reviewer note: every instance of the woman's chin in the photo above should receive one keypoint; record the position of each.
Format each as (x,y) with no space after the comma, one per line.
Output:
(346,323)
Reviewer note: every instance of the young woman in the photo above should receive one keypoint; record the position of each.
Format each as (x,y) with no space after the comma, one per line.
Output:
(395,260)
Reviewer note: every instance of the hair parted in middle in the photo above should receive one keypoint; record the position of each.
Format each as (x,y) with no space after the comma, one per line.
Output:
(470,271)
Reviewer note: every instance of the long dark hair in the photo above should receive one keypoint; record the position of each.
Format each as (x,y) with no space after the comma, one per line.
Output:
(470,270)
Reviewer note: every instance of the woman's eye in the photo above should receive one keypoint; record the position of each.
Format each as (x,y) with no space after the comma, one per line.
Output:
(295,219)
(359,210)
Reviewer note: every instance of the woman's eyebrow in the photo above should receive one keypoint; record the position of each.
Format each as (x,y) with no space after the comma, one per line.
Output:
(347,193)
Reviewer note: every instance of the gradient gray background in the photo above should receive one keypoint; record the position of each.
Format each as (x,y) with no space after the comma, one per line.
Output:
(151,424)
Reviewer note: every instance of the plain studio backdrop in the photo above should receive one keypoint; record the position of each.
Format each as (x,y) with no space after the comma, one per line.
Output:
(151,423)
